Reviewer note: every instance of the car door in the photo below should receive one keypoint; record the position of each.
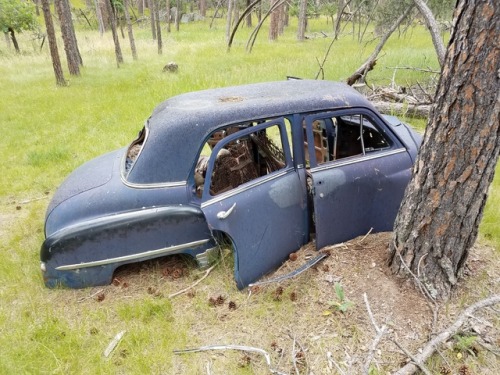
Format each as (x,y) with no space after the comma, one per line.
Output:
(265,213)
(360,179)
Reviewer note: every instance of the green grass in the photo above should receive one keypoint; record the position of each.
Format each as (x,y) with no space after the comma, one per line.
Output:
(47,131)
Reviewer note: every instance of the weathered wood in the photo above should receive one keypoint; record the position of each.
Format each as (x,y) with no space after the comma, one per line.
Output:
(438,220)
(433,27)
(415,110)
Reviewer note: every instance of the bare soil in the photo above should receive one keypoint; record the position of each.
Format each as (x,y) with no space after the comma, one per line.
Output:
(296,320)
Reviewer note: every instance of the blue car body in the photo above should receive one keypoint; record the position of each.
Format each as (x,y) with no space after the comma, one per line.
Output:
(266,165)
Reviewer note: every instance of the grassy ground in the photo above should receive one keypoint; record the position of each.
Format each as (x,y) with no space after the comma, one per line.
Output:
(47,131)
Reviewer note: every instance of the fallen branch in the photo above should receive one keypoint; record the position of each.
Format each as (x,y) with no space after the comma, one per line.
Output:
(372,60)
(445,335)
(232,347)
(207,272)
(418,110)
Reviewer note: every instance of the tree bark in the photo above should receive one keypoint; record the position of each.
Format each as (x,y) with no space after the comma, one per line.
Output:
(229,18)
(301,32)
(438,220)
(99,17)
(249,14)
(178,14)
(156,7)
(274,23)
(69,47)
(116,40)
(129,29)
(433,27)
(151,7)
(13,38)
(51,36)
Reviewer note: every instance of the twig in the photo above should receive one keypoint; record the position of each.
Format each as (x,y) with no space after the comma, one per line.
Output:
(294,359)
(366,235)
(415,69)
(417,363)
(207,272)
(91,296)
(442,337)
(232,347)
(113,344)
(33,200)
(331,360)
(430,299)
(380,333)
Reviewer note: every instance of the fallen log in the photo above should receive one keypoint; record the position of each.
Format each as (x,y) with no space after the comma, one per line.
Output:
(405,109)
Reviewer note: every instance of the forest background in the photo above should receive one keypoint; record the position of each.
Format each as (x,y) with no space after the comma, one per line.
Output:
(48,130)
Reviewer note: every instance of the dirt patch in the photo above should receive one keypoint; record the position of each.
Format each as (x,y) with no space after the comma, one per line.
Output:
(298,322)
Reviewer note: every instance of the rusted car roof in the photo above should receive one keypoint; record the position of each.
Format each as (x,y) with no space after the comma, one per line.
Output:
(179,125)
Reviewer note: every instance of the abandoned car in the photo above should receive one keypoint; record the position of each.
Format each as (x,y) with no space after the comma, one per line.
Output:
(265,166)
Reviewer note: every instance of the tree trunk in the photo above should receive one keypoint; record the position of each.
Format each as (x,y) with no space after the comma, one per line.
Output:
(229,18)
(168,15)
(301,32)
(274,23)
(129,29)
(51,36)
(99,17)
(438,220)
(156,6)
(151,7)
(249,15)
(178,14)
(69,47)
(433,27)
(13,38)
(203,8)
(112,22)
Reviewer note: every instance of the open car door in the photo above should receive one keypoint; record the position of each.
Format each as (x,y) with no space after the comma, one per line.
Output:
(253,194)
(359,172)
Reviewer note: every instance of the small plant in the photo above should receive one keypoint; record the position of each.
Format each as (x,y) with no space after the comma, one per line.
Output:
(342,304)
(465,344)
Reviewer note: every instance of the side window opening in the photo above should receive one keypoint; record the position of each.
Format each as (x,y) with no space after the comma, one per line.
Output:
(133,150)
(340,137)
(242,160)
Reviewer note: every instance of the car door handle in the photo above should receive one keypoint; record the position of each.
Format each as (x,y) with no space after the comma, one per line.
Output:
(221,215)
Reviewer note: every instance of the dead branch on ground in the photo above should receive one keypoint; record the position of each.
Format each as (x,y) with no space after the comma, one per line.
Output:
(445,335)
(232,347)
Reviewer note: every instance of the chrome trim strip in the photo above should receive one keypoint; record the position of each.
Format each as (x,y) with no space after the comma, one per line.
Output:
(124,258)
(240,189)
(153,186)
(333,164)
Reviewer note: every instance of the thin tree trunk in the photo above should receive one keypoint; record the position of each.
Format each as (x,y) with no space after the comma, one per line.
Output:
(51,36)
(98,15)
(438,220)
(433,27)
(14,40)
(178,14)
(168,15)
(249,14)
(274,23)
(203,8)
(229,18)
(301,32)
(69,48)
(69,17)
(116,40)
(152,18)
(129,29)
(158,26)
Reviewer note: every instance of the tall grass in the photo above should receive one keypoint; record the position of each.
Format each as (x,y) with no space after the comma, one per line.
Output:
(47,131)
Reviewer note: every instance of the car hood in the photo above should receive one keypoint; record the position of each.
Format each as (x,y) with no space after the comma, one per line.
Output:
(89,176)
